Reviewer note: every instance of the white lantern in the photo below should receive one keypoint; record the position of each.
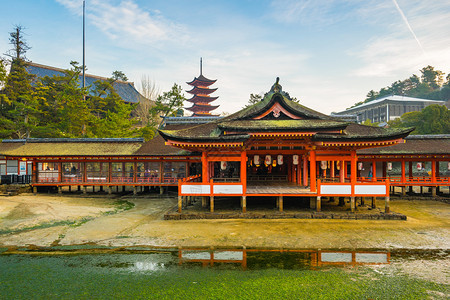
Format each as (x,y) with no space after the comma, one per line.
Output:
(295,159)
(280,159)
(389,166)
(256,159)
(268,160)
(448,166)
(223,165)
(419,166)
(323,164)
(360,166)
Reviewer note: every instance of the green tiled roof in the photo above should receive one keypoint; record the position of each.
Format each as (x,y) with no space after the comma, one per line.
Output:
(282,125)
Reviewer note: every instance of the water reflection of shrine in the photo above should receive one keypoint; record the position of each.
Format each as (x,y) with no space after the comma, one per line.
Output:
(282,259)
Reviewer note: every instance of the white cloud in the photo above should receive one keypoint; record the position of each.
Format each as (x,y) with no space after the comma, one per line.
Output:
(127,23)
(397,51)
(313,12)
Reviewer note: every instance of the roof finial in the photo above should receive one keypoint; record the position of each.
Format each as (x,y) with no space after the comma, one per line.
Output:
(201,66)
(276,88)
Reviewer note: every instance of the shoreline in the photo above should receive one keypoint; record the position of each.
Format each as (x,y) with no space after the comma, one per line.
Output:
(99,220)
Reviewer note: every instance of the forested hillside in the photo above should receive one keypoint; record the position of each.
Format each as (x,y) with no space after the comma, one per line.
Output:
(432,84)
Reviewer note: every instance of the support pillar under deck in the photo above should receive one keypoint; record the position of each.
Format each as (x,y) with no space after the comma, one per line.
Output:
(244,204)
(352,204)
(211,204)
(318,204)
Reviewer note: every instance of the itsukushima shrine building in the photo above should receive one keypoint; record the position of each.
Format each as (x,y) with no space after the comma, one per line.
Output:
(276,148)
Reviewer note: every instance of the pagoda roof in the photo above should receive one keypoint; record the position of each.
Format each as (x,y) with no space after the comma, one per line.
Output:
(202,99)
(276,113)
(201,81)
(199,90)
(201,107)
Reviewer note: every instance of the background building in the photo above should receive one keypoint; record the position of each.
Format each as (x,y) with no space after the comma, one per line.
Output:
(387,108)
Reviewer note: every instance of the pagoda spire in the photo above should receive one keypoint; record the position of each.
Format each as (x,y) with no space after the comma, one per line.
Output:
(201,91)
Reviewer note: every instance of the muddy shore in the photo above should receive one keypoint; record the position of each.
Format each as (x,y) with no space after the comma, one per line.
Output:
(46,220)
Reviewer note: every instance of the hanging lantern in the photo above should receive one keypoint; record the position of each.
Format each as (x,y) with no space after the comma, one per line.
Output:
(419,166)
(274,163)
(338,165)
(268,160)
(360,166)
(256,160)
(280,159)
(448,166)
(323,164)
(295,159)
(389,166)
(223,165)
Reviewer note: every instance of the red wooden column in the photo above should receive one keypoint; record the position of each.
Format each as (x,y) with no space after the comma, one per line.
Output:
(332,169)
(299,173)
(244,171)
(374,170)
(305,171)
(353,168)
(312,170)
(403,172)
(204,168)
(341,171)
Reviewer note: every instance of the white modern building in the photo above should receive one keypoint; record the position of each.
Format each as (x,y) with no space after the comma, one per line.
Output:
(387,108)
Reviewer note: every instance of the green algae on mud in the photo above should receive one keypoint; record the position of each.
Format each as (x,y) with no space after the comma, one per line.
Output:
(143,272)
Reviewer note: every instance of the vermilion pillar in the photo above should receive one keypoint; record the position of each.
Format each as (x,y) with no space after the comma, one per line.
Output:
(312,170)
(403,172)
(244,171)
(204,168)
(305,171)
(433,171)
(353,168)
(374,170)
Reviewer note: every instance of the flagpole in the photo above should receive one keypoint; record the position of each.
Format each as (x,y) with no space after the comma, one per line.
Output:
(84,66)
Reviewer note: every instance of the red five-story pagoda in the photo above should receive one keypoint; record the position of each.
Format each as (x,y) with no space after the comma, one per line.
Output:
(201,99)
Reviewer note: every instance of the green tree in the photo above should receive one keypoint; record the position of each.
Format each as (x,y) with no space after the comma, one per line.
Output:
(19,109)
(369,123)
(111,115)
(433,78)
(169,104)
(371,95)
(433,119)
(65,112)
(254,98)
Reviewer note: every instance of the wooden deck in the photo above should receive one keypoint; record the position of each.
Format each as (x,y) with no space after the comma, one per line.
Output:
(276,188)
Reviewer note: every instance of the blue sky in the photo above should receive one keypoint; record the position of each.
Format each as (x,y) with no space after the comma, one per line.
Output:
(327,53)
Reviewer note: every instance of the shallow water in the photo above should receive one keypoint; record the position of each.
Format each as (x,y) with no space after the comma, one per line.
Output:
(209,273)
